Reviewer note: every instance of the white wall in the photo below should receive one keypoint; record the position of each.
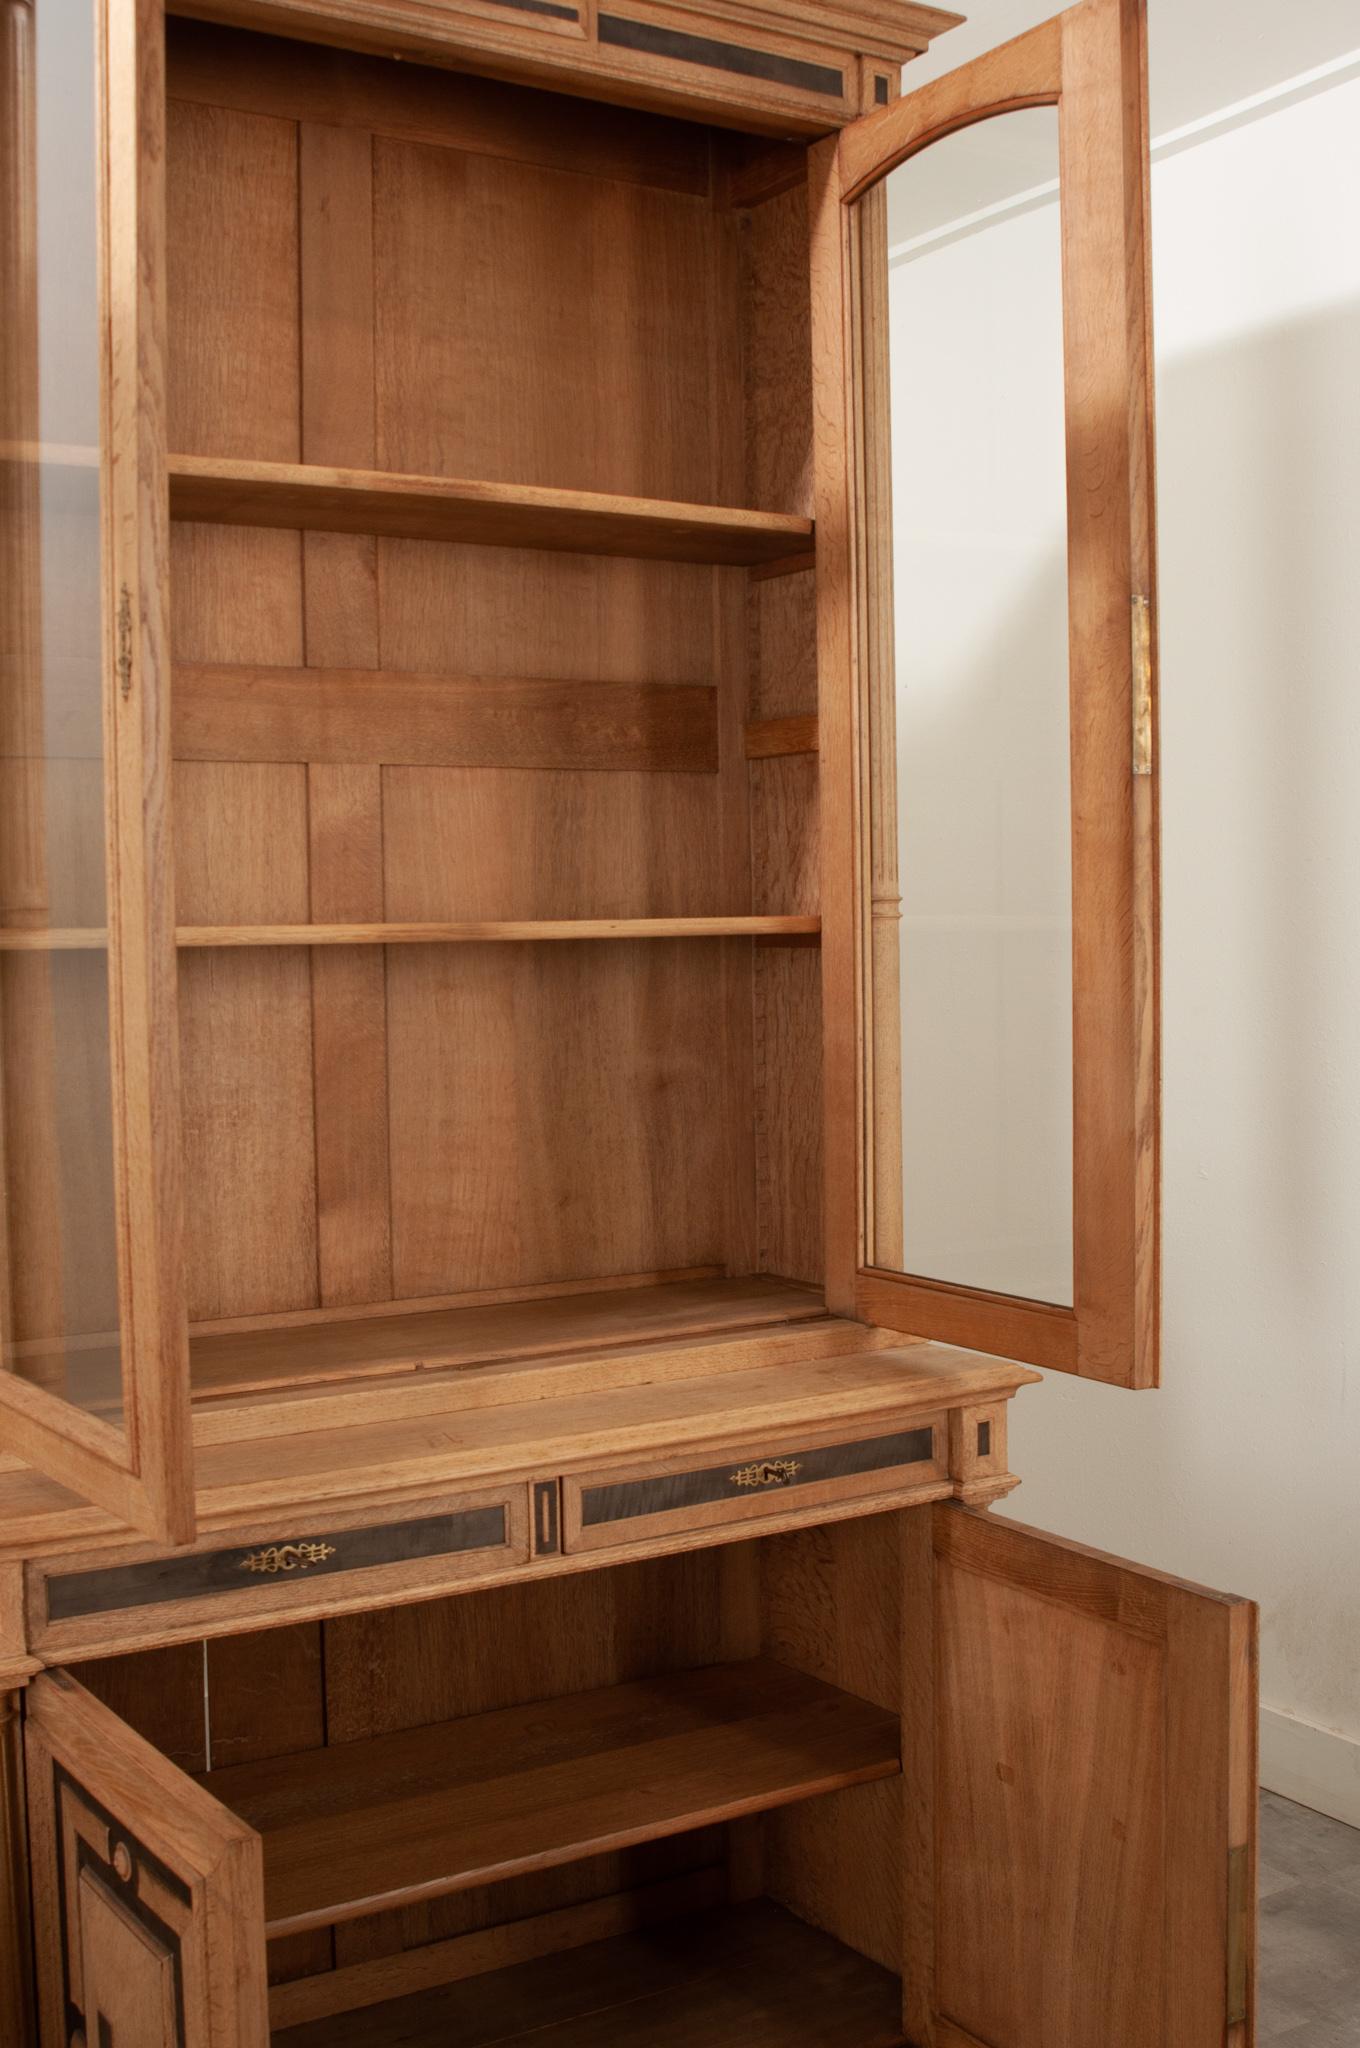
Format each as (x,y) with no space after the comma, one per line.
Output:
(1245,1471)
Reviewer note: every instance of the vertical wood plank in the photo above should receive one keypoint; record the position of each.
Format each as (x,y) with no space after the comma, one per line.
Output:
(241,829)
(341,623)
(781,617)
(731,674)
(883,1035)
(1112,562)
(832,1601)
(837,724)
(266,1697)
(918,1778)
(17,2019)
(143,986)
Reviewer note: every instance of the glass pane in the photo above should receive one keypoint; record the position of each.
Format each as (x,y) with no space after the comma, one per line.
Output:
(972,987)
(58,1246)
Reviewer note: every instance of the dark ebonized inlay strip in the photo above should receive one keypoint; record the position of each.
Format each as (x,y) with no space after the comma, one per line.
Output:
(658,1496)
(984,1439)
(654,41)
(228,1571)
(552,7)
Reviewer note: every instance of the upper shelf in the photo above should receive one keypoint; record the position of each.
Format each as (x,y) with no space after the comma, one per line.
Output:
(213,491)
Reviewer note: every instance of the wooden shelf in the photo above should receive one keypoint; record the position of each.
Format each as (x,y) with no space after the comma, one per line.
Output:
(365,1826)
(309,1349)
(465,932)
(209,490)
(71,939)
(750,1974)
(497,932)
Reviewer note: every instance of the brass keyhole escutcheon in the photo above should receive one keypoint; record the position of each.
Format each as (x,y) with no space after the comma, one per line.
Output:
(767,1472)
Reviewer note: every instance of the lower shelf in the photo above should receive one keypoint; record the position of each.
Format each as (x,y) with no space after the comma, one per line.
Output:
(750,1975)
(364,1826)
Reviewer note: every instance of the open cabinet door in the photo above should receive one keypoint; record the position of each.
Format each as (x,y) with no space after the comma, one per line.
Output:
(148,1897)
(94,1380)
(987,642)
(1082,1767)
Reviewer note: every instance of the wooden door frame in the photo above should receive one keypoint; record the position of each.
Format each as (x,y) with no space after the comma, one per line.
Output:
(142,1471)
(102,1800)
(1090,63)
(1206,1730)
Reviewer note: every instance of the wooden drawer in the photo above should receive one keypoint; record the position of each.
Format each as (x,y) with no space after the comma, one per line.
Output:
(109,1600)
(748,1483)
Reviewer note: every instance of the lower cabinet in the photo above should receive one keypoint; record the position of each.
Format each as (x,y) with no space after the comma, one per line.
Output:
(923,1776)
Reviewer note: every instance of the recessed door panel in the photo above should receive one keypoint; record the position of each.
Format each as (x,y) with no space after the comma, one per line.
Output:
(1090,1732)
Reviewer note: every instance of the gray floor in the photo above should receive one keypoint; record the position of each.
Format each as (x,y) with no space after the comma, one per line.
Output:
(1309,1981)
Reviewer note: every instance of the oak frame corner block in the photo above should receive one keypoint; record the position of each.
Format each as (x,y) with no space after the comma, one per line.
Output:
(1089,63)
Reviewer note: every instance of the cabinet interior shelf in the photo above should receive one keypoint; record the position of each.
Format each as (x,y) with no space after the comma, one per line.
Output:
(473,931)
(749,1973)
(364,1826)
(497,931)
(214,491)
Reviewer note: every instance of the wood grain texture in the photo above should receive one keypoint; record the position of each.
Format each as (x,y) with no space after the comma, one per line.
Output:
(341,623)
(751,1974)
(285,1668)
(883,1177)
(246,1018)
(339,88)
(831,1603)
(525,1642)
(1091,63)
(1026,71)
(837,724)
(510,1943)
(586,1137)
(612,1508)
(1082,1883)
(232,243)
(768,737)
(489,931)
(219,492)
(17,2015)
(1107,319)
(101,1607)
(385,717)
(144,1038)
(519,1790)
(201,1878)
(246,1472)
(236,1362)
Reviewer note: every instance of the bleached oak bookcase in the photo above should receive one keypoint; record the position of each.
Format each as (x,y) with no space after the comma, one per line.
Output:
(494,1532)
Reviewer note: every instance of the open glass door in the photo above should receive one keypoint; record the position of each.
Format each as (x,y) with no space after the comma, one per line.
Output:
(93,1335)
(986,645)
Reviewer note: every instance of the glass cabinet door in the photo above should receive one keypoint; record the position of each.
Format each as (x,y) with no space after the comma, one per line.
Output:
(989,903)
(93,1338)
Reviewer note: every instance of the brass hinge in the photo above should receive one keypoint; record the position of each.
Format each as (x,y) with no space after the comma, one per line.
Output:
(125,641)
(1239,1934)
(1142,686)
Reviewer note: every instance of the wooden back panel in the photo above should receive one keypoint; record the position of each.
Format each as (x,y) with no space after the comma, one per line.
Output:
(374,267)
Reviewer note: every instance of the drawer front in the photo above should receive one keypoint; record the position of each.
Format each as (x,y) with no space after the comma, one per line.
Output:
(98,1601)
(750,1483)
